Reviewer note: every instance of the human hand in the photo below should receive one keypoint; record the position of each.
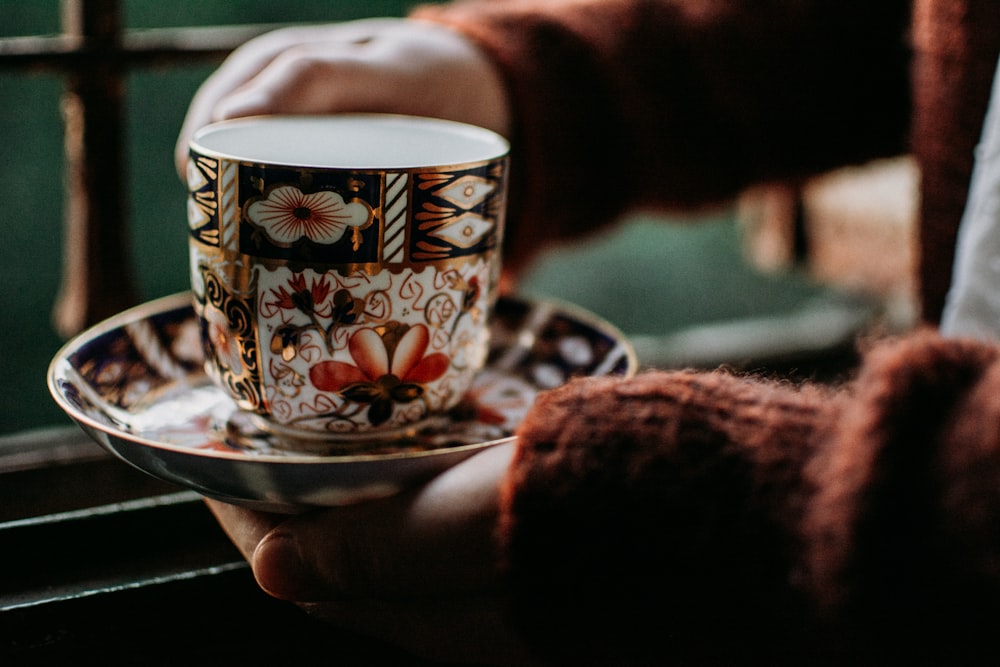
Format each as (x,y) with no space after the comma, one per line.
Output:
(374,65)
(418,570)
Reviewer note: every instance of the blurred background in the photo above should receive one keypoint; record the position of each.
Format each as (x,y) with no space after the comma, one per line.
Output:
(31,180)
(779,274)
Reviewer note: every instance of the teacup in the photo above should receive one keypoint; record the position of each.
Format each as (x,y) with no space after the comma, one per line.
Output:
(344,268)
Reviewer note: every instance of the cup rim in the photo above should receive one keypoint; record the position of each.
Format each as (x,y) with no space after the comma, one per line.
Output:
(479,146)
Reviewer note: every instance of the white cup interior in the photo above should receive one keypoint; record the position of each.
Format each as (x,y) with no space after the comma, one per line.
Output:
(350,141)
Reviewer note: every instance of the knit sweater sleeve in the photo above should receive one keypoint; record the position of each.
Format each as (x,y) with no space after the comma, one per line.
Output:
(654,519)
(716,519)
(630,103)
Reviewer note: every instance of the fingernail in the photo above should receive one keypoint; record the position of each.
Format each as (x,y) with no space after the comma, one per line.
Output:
(281,571)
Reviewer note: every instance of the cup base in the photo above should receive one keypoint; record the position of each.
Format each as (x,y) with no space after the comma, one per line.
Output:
(330,443)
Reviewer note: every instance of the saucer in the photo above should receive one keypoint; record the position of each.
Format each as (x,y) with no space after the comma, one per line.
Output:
(135,383)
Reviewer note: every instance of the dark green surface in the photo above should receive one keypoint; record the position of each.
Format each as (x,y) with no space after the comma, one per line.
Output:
(656,276)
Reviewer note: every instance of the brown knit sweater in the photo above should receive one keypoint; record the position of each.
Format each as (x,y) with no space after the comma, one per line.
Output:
(706,517)
(674,103)
(710,518)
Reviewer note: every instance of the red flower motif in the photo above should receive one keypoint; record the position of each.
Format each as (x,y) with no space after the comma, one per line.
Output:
(390,368)
(301,297)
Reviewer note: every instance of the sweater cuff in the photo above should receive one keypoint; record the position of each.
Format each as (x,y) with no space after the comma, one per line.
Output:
(643,517)
(669,103)
(902,538)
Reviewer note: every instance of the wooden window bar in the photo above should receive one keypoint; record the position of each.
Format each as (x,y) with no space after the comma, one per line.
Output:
(94,54)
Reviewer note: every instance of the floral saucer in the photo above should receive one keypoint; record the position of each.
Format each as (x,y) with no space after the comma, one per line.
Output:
(135,383)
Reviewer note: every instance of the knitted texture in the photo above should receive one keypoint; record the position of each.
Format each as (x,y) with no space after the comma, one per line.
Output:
(653,512)
(684,103)
(956,46)
(709,517)
(677,104)
(903,544)
(686,515)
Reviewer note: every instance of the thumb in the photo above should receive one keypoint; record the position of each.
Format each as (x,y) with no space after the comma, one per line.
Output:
(435,540)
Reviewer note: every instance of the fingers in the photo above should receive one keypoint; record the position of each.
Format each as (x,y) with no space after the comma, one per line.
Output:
(244,527)
(434,541)
(378,65)
(241,66)
(417,570)
(306,79)
(252,58)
